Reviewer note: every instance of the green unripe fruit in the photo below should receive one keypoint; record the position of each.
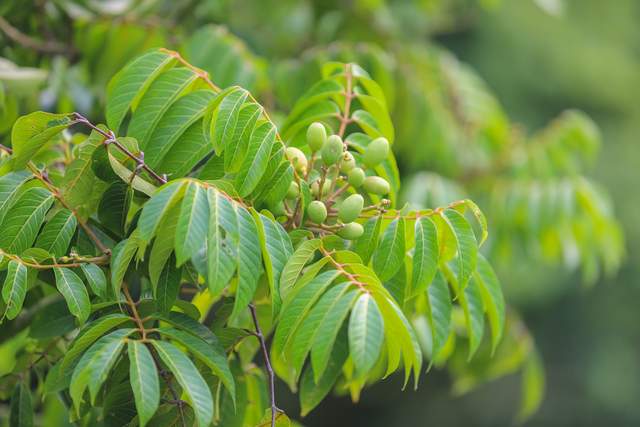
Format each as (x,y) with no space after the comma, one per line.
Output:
(350,208)
(326,187)
(293,190)
(277,209)
(376,151)
(356,177)
(316,136)
(376,185)
(332,150)
(348,162)
(317,211)
(297,158)
(351,231)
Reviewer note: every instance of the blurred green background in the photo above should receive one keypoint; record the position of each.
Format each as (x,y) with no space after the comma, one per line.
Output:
(537,57)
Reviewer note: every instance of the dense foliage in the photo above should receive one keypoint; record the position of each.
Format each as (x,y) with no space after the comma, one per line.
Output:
(152,263)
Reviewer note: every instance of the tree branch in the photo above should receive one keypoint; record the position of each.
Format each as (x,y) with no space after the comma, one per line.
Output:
(46,46)
(267,362)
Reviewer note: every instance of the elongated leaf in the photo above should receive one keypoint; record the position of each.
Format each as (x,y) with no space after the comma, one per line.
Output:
(389,255)
(127,87)
(192,223)
(249,261)
(31,132)
(57,233)
(89,335)
(162,92)
(482,220)
(80,186)
(188,110)
(101,364)
(234,153)
(120,258)
(368,242)
(20,228)
(10,185)
(302,255)
(194,386)
(220,262)
(533,384)
(74,292)
(213,356)
(21,411)
(163,244)
(168,287)
(366,333)
(155,209)
(425,255)
(492,298)
(312,392)
(144,381)
(255,162)
(14,289)
(467,247)
(226,118)
(96,279)
(114,207)
(439,308)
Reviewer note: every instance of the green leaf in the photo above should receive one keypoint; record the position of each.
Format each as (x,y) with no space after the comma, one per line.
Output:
(182,321)
(128,175)
(389,255)
(168,287)
(88,335)
(192,383)
(255,162)
(220,262)
(439,309)
(127,87)
(312,391)
(144,381)
(301,301)
(21,411)
(213,356)
(74,292)
(80,186)
(121,256)
(302,255)
(20,228)
(249,260)
(482,220)
(467,247)
(31,132)
(234,153)
(186,111)
(96,279)
(101,364)
(226,118)
(471,302)
(157,207)
(327,332)
(10,186)
(368,242)
(425,255)
(57,233)
(14,289)
(156,101)
(366,333)
(192,223)
(276,251)
(163,244)
(492,299)
(114,207)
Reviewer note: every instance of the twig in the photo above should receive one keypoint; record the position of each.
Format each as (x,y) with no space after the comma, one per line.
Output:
(67,261)
(267,363)
(345,119)
(46,46)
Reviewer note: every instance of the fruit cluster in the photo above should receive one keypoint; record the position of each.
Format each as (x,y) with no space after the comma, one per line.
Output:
(335,177)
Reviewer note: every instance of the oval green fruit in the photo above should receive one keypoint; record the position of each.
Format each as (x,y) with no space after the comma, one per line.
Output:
(316,136)
(297,158)
(293,190)
(277,209)
(332,150)
(376,185)
(317,211)
(326,187)
(356,177)
(351,231)
(350,208)
(376,152)
(348,162)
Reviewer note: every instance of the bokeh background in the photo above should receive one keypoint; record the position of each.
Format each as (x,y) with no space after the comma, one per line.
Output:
(537,58)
